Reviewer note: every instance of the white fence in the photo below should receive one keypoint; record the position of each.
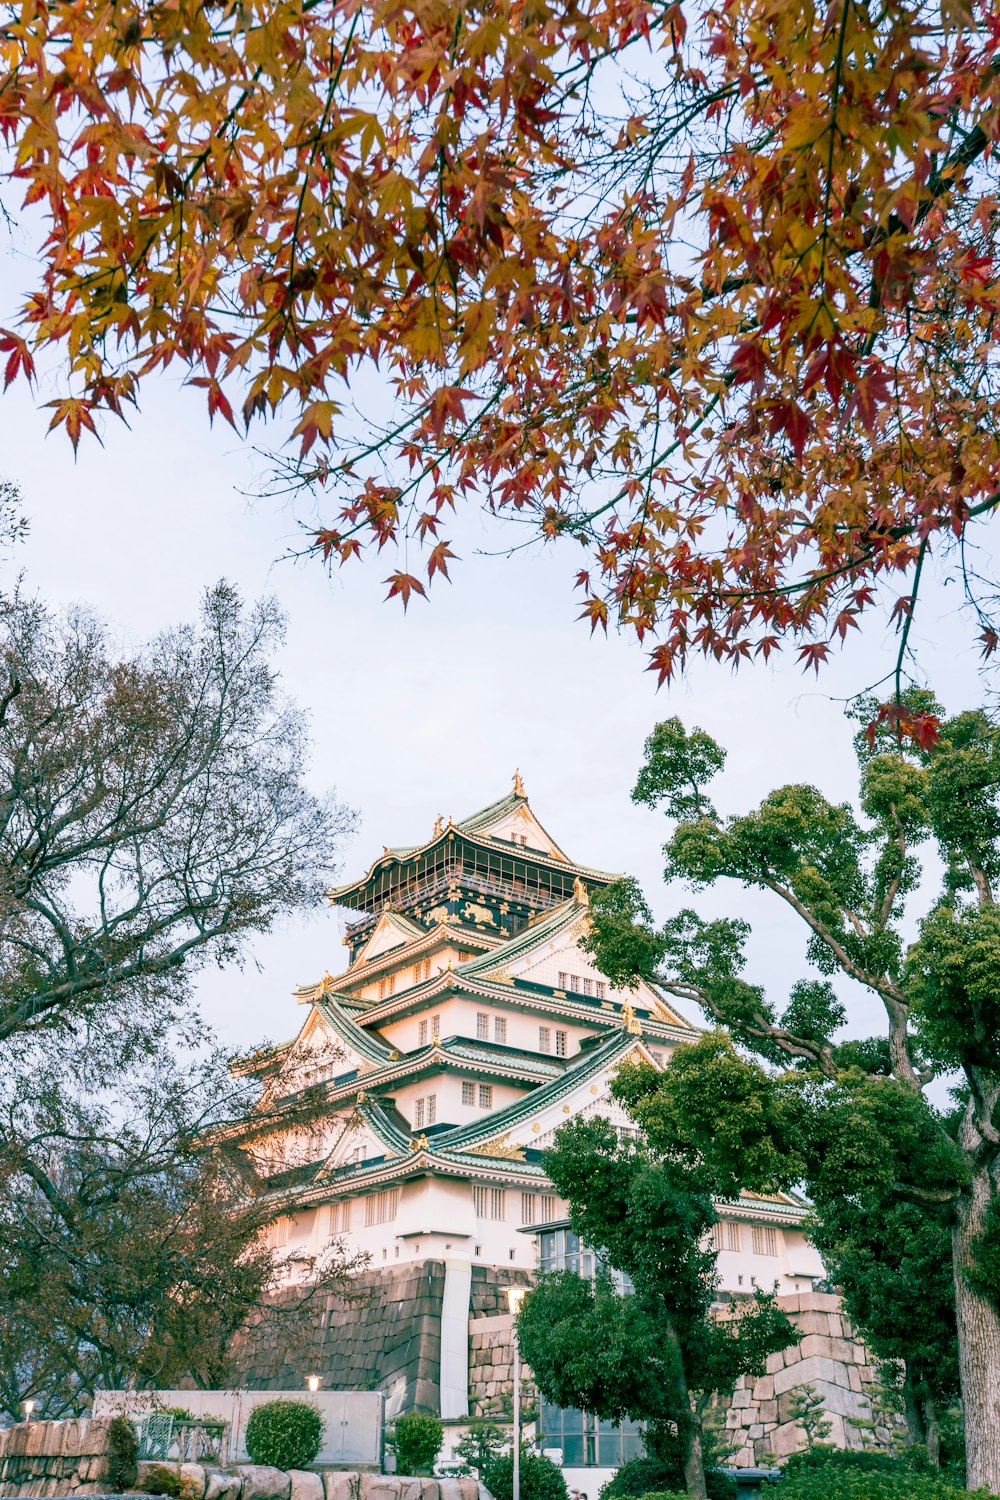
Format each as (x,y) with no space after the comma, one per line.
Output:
(353,1421)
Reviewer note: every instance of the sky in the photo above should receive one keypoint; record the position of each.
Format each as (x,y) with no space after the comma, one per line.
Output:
(429,712)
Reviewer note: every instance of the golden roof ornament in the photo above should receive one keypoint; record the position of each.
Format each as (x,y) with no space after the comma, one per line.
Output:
(580,892)
(519,785)
(438,825)
(632,1023)
(419,1143)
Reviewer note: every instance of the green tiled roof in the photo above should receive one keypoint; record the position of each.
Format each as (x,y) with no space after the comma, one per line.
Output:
(555,920)
(578,1071)
(349,1031)
(492,814)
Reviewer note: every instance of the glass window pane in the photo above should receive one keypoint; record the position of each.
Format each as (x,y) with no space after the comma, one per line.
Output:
(573,1452)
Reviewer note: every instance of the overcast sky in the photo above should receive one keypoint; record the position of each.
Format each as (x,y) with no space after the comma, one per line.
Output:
(430,712)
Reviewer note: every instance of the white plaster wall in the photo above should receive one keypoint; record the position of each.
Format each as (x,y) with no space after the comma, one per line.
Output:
(447,1088)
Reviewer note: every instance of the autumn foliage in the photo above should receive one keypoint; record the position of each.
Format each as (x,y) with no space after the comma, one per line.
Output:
(709,287)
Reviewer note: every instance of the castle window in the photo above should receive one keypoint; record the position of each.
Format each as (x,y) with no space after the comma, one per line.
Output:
(380,1208)
(544,1039)
(418,1115)
(550,1208)
(574,984)
(277,1233)
(436,1027)
(489,1203)
(527,1208)
(600,989)
(764,1240)
(734,1236)
(522,839)
(500,1029)
(560,1044)
(386,985)
(588,986)
(338,1217)
(482,1026)
(421,971)
(422,1034)
(563,978)
(432,1108)
(485,1096)
(468,1093)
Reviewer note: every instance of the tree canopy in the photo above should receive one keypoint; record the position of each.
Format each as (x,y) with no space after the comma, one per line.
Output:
(852,1118)
(710,290)
(651,1347)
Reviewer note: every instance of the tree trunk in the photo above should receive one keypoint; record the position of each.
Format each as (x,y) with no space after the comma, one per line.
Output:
(933,1429)
(694,1466)
(978,1344)
(915,1429)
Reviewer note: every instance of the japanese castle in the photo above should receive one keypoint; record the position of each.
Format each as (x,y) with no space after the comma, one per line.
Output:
(468,1026)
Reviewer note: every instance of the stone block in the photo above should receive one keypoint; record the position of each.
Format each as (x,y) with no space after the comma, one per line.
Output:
(341,1486)
(756,1431)
(786,1439)
(740,1399)
(305,1485)
(775,1362)
(854,1379)
(763,1389)
(261,1482)
(807,1372)
(816,1344)
(812,1322)
(769,1412)
(219,1486)
(192,1482)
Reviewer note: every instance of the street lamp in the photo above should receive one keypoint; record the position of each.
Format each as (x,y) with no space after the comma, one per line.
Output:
(29,1407)
(312,1381)
(515,1296)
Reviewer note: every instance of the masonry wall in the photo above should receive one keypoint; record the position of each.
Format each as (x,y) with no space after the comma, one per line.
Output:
(55,1458)
(387,1337)
(829,1357)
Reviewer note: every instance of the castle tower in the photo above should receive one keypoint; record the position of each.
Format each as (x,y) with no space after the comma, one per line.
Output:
(468,1025)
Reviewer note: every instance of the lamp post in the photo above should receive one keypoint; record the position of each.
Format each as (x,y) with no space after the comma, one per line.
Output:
(312,1381)
(29,1407)
(515,1295)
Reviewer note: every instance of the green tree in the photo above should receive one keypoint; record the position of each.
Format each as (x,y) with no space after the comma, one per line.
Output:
(853,1119)
(806,1408)
(651,1349)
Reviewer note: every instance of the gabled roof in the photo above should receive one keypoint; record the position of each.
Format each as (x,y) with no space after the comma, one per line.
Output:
(555,920)
(365,1042)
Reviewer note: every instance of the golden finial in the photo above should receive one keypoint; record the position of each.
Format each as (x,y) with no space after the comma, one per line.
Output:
(438,824)
(419,1144)
(519,785)
(327,982)
(361,1096)
(580,893)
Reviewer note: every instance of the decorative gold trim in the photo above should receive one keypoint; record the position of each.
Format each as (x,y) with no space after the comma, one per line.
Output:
(519,785)
(501,1146)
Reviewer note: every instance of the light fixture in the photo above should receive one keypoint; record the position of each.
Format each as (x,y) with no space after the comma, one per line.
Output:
(29,1407)
(312,1381)
(515,1296)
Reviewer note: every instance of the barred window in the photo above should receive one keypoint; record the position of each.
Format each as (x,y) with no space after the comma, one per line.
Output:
(421,971)
(386,985)
(489,1202)
(563,980)
(338,1217)
(500,1029)
(600,989)
(764,1240)
(588,986)
(483,1025)
(380,1208)
(436,1028)
(277,1233)
(498,1203)
(468,1093)
(418,1113)
(432,1108)
(551,1208)
(734,1236)
(560,1044)
(486,1096)
(422,1034)
(544,1039)
(528,1208)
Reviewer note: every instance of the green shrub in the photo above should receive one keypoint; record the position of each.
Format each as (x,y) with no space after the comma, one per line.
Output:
(160,1479)
(416,1442)
(284,1434)
(123,1449)
(480,1446)
(840,1481)
(661,1476)
(540,1478)
(858,1460)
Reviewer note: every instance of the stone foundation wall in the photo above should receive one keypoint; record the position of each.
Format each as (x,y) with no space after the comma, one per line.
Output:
(491,1345)
(830,1358)
(387,1339)
(55,1458)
